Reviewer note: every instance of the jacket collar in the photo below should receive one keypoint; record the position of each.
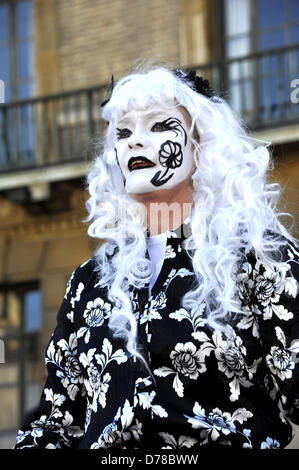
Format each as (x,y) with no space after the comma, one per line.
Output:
(180,233)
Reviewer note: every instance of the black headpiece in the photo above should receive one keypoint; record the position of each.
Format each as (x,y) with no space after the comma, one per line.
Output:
(198,84)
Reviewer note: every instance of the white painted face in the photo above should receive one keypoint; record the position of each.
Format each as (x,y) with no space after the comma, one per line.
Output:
(153,149)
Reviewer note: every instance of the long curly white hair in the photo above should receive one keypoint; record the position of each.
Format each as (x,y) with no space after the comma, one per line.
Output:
(234,208)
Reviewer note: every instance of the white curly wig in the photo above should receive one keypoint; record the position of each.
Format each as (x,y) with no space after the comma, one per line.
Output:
(234,209)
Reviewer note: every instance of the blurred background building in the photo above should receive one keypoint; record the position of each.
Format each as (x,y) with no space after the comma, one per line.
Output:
(56,57)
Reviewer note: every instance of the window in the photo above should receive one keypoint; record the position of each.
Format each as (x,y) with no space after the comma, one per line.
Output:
(17,71)
(16,48)
(20,383)
(262,46)
(277,23)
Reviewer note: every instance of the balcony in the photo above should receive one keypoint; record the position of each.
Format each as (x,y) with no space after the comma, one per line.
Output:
(46,139)
(261,88)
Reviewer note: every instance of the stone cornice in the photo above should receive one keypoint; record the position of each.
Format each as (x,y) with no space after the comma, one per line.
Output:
(46,227)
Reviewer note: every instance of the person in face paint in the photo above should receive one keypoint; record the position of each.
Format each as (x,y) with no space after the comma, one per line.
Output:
(156,158)
(207,354)
(155,142)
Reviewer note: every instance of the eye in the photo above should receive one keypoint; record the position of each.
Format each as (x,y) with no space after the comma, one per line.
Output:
(123,133)
(160,127)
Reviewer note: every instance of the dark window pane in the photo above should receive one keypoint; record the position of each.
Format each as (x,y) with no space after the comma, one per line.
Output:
(24,59)
(32,396)
(2,309)
(22,352)
(4,23)
(24,18)
(2,351)
(293,10)
(270,13)
(294,34)
(12,350)
(33,358)
(12,139)
(26,147)
(273,64)
(274,96)
(271,40)
(10,314)
(25,89)
(3,159)
(33,382)
(7,93)
(32,306)
(4,63)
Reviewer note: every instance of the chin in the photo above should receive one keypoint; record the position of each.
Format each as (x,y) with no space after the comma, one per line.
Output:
(138,186)
(139,191)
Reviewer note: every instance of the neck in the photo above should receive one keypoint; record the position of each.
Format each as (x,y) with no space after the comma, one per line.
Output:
(166,209)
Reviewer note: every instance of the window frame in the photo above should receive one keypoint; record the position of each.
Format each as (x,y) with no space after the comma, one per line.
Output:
(253,35)
(20,289)
(255,32)
(14,80)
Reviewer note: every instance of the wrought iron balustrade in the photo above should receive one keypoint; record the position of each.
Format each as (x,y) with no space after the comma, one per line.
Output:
(49,130)
(260,87)
(56,129)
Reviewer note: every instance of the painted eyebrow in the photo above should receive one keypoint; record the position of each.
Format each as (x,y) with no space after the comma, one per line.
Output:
(148,116)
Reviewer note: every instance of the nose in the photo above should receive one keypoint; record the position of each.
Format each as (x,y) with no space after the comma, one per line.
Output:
(134,144)
(136,139)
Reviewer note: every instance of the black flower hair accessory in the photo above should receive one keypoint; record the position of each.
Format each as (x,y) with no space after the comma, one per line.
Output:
(198,84)
(110,90)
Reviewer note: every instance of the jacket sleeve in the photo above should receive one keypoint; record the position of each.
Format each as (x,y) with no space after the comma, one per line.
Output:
(58,421)
(277,312)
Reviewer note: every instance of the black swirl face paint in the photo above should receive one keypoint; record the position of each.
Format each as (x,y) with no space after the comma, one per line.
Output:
(170,124)
(170,157)
(149,158)
(170,153)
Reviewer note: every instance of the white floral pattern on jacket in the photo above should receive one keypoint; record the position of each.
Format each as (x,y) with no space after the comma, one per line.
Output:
(202,391)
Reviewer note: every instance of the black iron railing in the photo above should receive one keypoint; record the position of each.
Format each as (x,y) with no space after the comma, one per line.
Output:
(58,128)
(47,130)
(259,86)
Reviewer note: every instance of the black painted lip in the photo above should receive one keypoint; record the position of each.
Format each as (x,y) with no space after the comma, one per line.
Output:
(144,159)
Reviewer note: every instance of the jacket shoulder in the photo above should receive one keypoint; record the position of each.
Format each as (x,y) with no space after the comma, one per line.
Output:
(82,275)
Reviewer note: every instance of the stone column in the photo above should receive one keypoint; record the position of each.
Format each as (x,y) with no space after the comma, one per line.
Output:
(47,62)
(194,32)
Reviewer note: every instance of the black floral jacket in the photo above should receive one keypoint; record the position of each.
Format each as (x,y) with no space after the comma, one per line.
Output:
(202,392)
